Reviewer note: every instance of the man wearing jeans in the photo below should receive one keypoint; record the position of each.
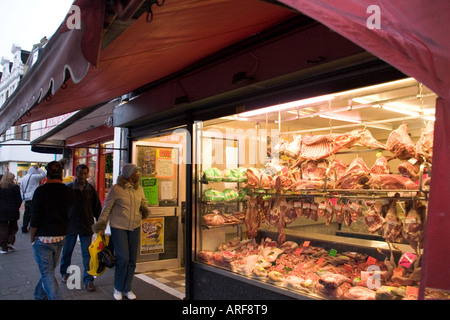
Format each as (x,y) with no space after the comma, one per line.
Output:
(86,206)
(48,227)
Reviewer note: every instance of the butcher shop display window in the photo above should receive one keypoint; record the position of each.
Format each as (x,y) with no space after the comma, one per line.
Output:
(325,196)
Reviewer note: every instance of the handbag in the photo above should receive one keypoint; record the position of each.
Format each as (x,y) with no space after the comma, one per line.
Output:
(106,257)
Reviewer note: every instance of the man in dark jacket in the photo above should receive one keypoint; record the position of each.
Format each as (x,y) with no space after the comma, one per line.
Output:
(85,207)
(48,228)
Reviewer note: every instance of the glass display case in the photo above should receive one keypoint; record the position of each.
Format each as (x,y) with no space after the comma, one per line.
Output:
(325,197)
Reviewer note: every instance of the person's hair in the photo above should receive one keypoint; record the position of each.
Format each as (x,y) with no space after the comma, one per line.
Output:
(54,170)
(7,180)
(81,166)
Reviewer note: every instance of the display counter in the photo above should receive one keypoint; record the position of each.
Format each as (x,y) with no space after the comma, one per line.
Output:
(305,207)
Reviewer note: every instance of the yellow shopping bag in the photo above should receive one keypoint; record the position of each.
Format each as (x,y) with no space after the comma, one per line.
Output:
(95,267)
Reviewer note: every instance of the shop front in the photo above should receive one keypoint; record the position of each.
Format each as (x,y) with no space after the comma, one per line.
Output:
(307,196)
(317,198)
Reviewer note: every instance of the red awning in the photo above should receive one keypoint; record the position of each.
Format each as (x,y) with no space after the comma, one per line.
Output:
(182,32)
(411,35)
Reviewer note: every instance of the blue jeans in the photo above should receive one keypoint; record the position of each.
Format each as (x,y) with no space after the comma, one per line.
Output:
(126,245)
(47,256)
(66,256)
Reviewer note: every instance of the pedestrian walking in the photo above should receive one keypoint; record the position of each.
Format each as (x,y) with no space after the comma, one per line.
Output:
(10,202)
(85,207)
(48,227)
(29,183)
(125,206)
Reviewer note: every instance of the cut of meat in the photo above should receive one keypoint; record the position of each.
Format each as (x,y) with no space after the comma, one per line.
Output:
(424,146)
(314,169)
(252,219)
(338,169)
(253,176)
(391,182)
(355,177)
(400,143)
(367,140)
(392,229)
(359,293)
(381,166)
(413,230)
(410,169)
(374,218)
(213,219)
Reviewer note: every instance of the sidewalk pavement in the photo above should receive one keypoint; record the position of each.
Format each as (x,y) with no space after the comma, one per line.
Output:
(19,275)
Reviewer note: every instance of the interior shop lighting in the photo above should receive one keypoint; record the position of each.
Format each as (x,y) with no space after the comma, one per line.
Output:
(288,105)
(339,118)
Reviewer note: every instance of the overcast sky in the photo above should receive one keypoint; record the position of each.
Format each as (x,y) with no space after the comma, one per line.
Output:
(26,22)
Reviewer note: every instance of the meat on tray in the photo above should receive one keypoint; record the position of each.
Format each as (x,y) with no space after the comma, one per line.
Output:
(400,143)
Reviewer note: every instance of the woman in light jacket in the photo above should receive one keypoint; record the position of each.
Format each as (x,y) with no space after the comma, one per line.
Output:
(125,206)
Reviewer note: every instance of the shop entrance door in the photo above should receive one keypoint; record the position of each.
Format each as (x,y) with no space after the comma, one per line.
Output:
(161,158)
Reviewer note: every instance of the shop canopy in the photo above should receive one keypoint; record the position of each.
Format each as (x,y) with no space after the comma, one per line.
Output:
(75,72)
(411,35)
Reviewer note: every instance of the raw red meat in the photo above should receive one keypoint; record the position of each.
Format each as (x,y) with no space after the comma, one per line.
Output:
(367,140)
(424,146)
(314,169)
(400,143)
(359,293)
(253,176)
(413,228)
(355,177)
(391,182)
(332,280)
(290,214)
(392,229)
(213,219)
(252,219)
(338,169)
(410,169)
(381,166)
(374,218)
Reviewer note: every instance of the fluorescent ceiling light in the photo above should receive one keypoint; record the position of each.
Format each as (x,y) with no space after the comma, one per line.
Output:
(339,118)
(288,105)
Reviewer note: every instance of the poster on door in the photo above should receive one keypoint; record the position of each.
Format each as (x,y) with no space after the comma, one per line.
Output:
(152,236)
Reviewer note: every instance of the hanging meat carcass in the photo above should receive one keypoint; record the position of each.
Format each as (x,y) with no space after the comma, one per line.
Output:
(392,229)
(252,219)
(367,140)
(410,169)
(355,177)
(314,169)
(400,143)
(413,227)
(374,217)
(381,166)
(253,176)
(424,146)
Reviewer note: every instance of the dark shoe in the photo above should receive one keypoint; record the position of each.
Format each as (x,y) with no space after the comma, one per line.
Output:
(90,286)
(24,230)
(65,278)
